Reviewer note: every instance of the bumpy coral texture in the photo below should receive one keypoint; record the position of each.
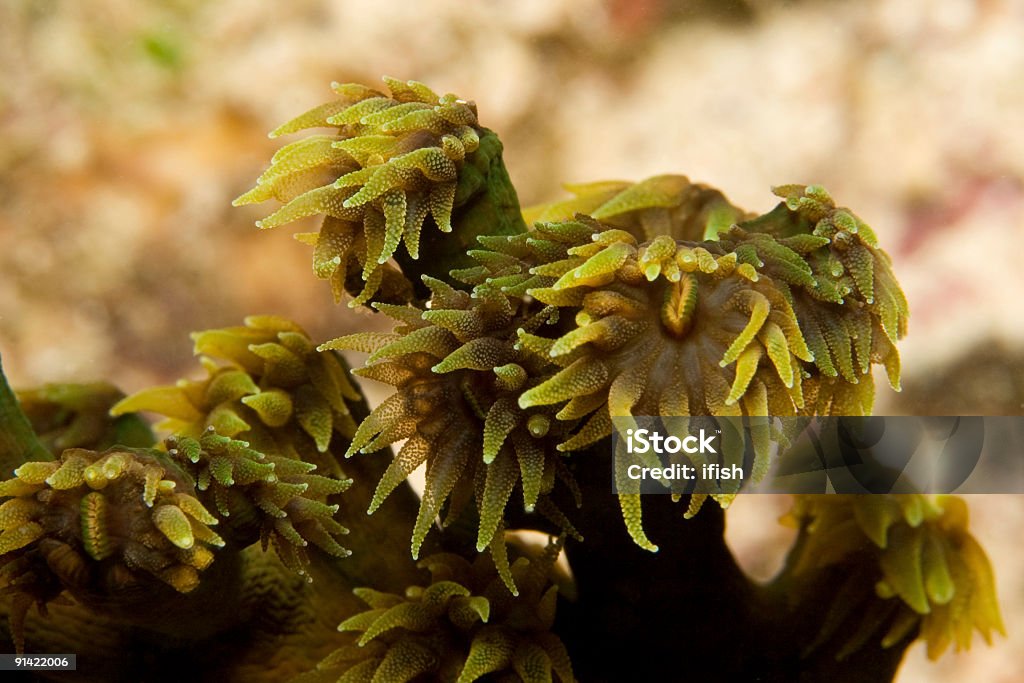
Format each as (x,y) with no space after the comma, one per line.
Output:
(99,525)
(909,562)
(457,373)
(462,626)
(391,163)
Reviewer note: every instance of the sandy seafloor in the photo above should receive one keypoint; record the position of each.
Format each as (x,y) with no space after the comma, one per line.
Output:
(126,127)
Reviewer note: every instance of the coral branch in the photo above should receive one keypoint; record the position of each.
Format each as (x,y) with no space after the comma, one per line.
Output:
(18,442)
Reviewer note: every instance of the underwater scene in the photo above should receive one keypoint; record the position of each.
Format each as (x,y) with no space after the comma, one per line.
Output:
(574,340)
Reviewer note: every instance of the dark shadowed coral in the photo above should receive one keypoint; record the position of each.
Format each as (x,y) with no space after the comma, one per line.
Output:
(910,564)
(276,392)
(393,164)
(99,525)
(458,374)
(462,626)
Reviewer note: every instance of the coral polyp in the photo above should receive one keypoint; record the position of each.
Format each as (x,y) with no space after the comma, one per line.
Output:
(652,318)
(275,498)
(851,308)
(458,375)
(910,557)
(394,164)
(275,392)
(462,626)
(710,325)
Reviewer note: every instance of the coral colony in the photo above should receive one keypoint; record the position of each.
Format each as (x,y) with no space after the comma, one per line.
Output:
(270,533)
